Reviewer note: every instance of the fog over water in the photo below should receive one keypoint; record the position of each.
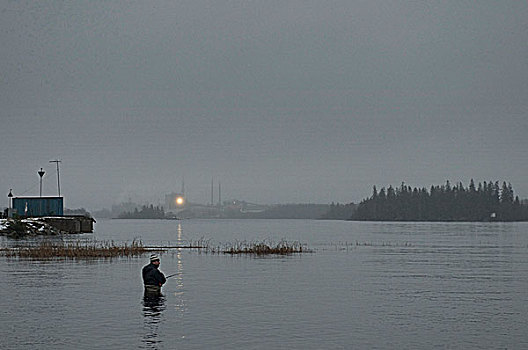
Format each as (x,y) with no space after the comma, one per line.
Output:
(297,101)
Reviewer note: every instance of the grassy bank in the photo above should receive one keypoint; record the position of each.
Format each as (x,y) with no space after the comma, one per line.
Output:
(49,249)
(84,250)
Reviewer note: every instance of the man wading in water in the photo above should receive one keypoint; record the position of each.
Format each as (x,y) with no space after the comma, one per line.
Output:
(153,279)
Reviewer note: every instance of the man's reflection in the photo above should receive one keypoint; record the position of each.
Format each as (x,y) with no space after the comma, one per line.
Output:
(153,306)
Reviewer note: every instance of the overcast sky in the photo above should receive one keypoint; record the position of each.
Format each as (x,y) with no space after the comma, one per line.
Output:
(280,101)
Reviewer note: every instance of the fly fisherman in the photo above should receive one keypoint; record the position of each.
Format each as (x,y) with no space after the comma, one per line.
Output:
(153,279)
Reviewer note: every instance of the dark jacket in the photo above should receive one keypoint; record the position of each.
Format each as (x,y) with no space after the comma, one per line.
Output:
(152,276)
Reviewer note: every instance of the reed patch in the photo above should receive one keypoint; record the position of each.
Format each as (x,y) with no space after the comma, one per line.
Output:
(76,250)
(86,250)
(262,248)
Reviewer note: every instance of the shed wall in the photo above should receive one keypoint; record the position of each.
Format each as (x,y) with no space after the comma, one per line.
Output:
(37,206)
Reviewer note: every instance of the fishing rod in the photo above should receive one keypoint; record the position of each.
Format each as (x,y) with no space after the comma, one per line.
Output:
(169,276)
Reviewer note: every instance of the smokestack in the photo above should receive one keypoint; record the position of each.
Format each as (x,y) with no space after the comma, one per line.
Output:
(183,186)
(219,194)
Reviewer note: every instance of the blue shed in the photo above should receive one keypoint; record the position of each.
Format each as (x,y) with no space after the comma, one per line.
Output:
(38,206)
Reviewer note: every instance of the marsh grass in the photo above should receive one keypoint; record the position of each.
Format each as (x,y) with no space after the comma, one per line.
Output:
(264,248)
(77,250)
(86,250)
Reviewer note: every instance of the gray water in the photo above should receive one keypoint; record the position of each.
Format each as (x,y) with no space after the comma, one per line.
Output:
(365,286)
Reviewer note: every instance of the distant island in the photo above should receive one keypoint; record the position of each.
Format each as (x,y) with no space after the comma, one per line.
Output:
(145,212)
(488,201)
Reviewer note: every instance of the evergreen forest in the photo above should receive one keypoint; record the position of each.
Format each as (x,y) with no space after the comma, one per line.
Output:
(487,201)
(146,212)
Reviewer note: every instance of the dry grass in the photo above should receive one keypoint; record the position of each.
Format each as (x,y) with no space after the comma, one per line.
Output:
(76,250)
(264,248)
(242,247)
(86,250)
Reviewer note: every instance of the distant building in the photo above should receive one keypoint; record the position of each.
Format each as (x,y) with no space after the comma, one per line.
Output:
(38,206)
(245,207)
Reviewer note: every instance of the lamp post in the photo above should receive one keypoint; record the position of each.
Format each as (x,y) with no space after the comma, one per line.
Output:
(41,174)
(10,202)
(58,181)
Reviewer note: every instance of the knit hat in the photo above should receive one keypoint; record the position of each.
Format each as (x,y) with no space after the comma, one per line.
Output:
(154,257)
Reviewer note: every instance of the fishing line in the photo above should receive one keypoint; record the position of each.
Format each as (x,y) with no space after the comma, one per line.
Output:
(27,190)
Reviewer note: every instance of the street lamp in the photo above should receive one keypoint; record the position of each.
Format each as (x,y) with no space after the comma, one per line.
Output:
(58,182)
(9,204)
(10,195)
(41,174)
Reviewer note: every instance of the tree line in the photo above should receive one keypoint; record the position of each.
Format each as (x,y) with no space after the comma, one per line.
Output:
(487,201)
(338,211)
(146,212)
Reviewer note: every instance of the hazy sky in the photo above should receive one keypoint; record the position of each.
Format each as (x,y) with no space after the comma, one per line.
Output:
(281,101)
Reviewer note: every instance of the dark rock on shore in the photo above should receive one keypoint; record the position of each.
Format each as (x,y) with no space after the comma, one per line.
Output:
(19,228)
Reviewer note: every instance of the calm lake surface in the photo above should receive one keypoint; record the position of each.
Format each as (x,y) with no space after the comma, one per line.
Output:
(366,286)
